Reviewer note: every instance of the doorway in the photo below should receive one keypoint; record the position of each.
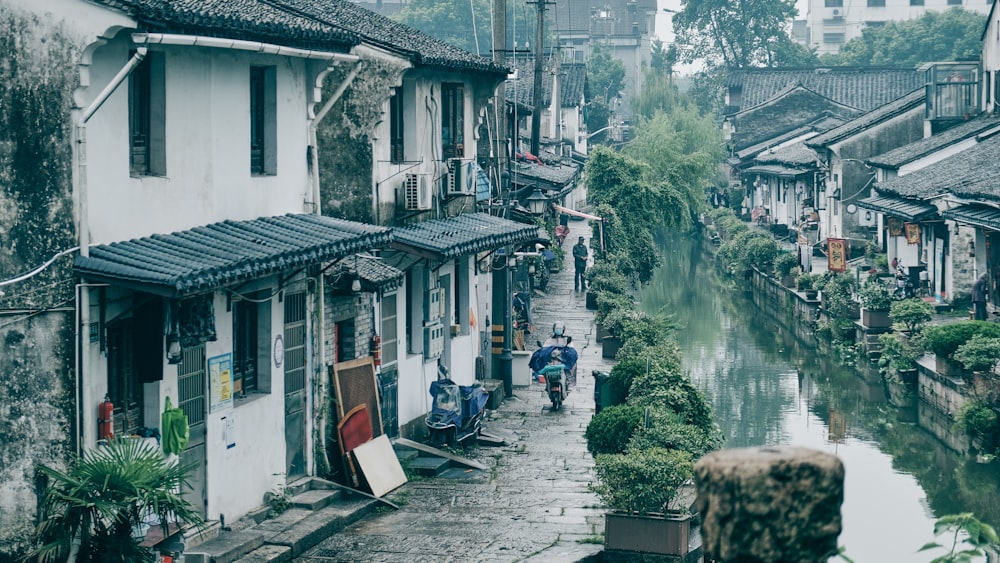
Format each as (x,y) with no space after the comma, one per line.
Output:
(191,390)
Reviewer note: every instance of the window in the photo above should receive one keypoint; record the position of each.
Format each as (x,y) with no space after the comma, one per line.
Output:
(954,2)
(833,3)
(251,346)
(876,3)
(452,120)
(390,339)
(396,126)
(263,121)
(833,38)
(916,2)
(147,117)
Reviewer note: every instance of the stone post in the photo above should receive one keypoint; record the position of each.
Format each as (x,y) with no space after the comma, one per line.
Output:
(774,504)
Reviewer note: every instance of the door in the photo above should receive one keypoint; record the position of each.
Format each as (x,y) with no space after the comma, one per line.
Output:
(294,362)
(124,386)
(993,263)
(191,390)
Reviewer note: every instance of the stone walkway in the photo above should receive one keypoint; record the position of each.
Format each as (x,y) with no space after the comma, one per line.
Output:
(533,504)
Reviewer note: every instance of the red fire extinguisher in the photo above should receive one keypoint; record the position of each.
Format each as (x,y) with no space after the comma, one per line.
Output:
(377,350)
(106,419)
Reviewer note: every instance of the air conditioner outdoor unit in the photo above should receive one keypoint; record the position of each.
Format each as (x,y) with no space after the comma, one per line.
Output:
(836,12)
(455,179)
(417,192)
(433,341)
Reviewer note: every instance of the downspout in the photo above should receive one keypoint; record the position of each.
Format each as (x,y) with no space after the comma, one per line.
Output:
(317,209)
(82,317)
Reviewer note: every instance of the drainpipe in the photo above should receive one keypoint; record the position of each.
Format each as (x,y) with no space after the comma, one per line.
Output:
(314,124)
(83,227)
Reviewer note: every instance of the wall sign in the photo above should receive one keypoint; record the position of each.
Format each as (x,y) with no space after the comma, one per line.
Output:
(279,351)
(220,382)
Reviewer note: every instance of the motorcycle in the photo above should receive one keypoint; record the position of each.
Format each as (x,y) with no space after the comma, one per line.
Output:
(557,382)
(456,413)
(904,286)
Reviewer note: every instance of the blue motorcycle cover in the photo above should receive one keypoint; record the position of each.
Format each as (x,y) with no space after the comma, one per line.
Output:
(540,358)
(455,404)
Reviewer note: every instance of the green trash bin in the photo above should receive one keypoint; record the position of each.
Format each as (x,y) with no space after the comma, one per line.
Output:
(602,389)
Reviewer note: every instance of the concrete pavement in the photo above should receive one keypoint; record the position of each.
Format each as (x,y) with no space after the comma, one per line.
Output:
(533,502)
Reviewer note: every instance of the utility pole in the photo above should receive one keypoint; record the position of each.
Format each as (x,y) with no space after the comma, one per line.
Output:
(536,95)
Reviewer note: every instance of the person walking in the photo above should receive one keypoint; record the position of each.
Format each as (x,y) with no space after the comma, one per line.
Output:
(979,290)
(580,255)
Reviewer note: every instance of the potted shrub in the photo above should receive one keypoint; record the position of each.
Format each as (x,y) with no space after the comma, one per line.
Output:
(784,266)
(875,302)
(838,292)
(640,487)
(943,341)
(899,357)
(980,354)
(608,315)
(806,283)
(911,313)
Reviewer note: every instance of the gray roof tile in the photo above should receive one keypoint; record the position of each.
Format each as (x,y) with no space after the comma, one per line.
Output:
(863,88)
(796,107)
(906,209)
(220,254)
(796,154)
(969,174)
(868,120)
(913,151)
(462,235)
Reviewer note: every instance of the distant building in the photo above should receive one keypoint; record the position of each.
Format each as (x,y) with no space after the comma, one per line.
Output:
(831,23)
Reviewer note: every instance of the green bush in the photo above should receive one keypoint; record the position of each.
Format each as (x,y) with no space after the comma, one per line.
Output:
(761,252)
(898,352)
(649,330)
(611,307)
(605,275)
(673,390)
(668,431)
(875,295)
(944,340)
(784,263)
(807,282)
(881,263)
(911,313)
(838,283)
(611,429)
(980,353)
(644,481)
(979,420)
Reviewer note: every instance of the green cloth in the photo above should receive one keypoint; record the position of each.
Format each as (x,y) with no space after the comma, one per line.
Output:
(175,429)
(552,368)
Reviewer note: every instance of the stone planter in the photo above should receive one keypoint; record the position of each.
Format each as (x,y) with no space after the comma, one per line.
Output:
(812,294)
(610,346)
(663,535)
(788,280)
(602,333)
(875,319)
(947,366)
(591,301)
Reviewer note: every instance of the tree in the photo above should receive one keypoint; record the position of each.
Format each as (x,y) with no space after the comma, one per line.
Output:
(605,74)
(736,33)
(466,23)
(951,35)
(95,506)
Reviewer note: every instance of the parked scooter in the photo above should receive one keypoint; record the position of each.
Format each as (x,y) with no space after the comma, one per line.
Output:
(546,361)
(903,287)
(457,411)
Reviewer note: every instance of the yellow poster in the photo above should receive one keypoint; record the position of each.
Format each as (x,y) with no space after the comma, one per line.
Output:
(837,259)
(895,227)
(912,233)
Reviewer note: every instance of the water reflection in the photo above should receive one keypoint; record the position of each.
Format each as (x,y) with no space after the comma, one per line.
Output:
(768,389)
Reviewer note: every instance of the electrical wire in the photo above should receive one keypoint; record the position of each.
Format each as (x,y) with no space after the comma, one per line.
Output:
(37,270)
(36,313)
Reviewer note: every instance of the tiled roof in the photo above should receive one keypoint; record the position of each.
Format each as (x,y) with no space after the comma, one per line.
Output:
(374,273)
(968,174)
(863,88)
(573,81)
(796,154)
(421,48)
(919,149)
(559,175)
(252,20)
(906,209)
(794,108)
(220,254)
(328,24)
(978,215)
(868,120)
(462,235)
(778,170)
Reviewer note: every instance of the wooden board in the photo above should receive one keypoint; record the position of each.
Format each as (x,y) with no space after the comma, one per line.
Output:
(379,464)
(440,453)
(354,384)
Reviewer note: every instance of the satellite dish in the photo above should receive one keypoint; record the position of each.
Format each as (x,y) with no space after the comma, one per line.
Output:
(852,209)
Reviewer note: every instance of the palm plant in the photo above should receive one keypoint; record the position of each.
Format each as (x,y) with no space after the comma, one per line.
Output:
(90,512)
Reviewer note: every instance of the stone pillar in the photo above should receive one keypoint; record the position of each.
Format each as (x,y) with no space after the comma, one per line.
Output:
(774,504)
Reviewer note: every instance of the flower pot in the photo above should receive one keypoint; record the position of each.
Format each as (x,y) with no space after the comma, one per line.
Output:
(875,319)
(811,294)
(591,301)
(947,366)
(610,346)
(664,535)
(602,332)
(788,280)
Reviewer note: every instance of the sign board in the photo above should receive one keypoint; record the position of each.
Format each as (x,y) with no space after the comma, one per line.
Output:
(220,382)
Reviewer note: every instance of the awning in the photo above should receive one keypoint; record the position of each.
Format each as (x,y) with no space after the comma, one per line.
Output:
(569,211)
(778,170)
(463,235)
(205,258)
(373,273)
(975,215)
(906,209)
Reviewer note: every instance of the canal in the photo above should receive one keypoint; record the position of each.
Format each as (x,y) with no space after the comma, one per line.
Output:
(767,389)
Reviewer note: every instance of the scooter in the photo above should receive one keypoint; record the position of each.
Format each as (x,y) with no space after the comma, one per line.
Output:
(557,382)
(904,287)
(457,412)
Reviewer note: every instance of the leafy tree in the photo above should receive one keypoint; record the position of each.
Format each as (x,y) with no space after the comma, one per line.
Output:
(736,33)
(951,35)
(466,23)
(108,493)
(605,73)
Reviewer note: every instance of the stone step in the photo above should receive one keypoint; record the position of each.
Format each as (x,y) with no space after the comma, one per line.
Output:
(429,466)
(315,499)
(227,547)
(405,455)
(268,554)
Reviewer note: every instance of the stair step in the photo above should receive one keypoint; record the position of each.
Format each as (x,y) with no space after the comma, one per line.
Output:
(268,554)
(228,547)
(405,455)
(429,465)
(314,499)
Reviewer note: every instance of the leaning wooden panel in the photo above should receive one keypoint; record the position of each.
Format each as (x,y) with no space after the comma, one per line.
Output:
(380,466)
(355,384)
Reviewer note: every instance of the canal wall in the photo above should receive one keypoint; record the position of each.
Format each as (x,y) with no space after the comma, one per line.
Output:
(790,308)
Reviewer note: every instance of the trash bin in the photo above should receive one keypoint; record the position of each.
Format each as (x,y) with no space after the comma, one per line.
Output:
(602,389)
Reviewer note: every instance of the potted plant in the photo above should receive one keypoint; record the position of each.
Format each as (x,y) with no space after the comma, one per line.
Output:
(640,486)
(838,290)
(980,354)
(806,283)
(875,302)
(943,341)
(784,267)
(911,313)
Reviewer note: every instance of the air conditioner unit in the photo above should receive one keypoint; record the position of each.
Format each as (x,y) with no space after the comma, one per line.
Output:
(456,181)
(433,305)
(433,341)
(836,12)
(417,192)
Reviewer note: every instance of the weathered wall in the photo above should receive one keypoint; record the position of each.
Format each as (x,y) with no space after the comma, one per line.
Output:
(37,77)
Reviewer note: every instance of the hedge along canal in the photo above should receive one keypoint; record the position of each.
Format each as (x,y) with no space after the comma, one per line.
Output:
(767,388)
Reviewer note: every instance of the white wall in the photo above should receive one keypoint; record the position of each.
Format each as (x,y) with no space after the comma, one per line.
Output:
(207,145)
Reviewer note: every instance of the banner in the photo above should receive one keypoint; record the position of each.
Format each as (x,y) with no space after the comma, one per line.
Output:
(912,233)
(837,258)
(895,227)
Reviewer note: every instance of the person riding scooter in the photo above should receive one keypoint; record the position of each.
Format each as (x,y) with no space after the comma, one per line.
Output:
(553,375)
